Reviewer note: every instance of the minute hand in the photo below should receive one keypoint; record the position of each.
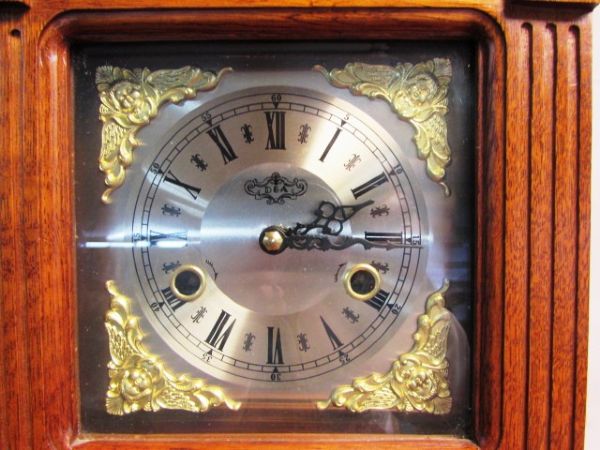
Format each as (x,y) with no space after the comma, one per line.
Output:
(323,243)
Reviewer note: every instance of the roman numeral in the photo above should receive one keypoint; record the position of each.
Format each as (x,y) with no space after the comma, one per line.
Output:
(276,127)
(217,337)
(168,239)
(335,341)
(192,190)
(171,299)
(274,351)
(369,185)
(378,300)
(332,141)
(395,238)
(216,134)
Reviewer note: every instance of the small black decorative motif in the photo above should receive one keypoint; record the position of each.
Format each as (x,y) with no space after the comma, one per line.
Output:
(247,133)
(380,211)
(303,342)
(199,162)
(170,267)
(303,133)
(350,315)
(171,210)
(381,267)
(276,188)
(199,315)
(352,162)
(248,342)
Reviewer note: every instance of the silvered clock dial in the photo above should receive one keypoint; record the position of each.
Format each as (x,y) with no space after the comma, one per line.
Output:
(277,235)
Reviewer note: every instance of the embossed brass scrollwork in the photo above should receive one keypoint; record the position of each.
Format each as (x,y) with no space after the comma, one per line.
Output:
(417,381)
(130,99)
(417,93)
(139,380)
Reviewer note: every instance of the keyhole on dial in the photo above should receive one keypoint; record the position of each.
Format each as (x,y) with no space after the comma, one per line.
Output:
(188,282)
(362,282)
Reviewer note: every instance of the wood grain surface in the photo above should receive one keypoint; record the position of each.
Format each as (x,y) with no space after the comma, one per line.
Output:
(532,199)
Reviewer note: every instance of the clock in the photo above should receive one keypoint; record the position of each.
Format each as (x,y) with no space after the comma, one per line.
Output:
(422,281)
(279,235)
(247,217)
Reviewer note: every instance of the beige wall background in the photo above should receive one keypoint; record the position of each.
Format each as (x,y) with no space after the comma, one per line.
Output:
(592,435)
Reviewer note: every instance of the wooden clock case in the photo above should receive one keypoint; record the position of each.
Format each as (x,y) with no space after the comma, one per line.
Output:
(532,204)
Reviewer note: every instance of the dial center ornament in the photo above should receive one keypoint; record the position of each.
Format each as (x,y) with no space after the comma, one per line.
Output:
(274,194)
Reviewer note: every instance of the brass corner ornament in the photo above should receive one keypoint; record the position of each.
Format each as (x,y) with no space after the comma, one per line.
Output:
(139,380)
(417,93)
(130,99)
(417,381)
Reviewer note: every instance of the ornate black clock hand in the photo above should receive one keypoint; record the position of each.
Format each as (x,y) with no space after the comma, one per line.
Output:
(324,243)
(275,239)
(330,218)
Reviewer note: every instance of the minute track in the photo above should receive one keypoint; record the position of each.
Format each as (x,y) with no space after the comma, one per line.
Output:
(187,140)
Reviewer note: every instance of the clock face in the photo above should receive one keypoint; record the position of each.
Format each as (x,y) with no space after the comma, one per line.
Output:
(282,243)
(277,236)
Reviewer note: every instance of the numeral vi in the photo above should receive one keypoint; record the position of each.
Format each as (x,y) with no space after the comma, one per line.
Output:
(274,351)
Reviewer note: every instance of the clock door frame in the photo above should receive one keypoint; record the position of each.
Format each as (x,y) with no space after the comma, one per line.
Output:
(532,209)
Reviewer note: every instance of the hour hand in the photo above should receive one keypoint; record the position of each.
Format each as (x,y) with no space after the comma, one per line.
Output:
(329,218)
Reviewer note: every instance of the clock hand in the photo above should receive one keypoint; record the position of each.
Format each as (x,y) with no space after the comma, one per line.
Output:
(275,239)
(323,243)
(330,218)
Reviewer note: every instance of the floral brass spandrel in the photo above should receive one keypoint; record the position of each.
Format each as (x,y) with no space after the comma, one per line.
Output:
(139,381)
(417,381)
(417,93)
(130,99)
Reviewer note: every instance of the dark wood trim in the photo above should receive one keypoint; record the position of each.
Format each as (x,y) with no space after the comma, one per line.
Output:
(533,178)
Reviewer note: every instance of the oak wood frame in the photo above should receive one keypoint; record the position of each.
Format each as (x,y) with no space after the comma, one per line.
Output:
(533,182)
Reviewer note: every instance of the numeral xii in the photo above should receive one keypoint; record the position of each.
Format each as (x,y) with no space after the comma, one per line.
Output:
(276,130)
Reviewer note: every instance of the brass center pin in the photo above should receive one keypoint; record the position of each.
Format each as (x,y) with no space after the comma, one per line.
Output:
(272,240)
